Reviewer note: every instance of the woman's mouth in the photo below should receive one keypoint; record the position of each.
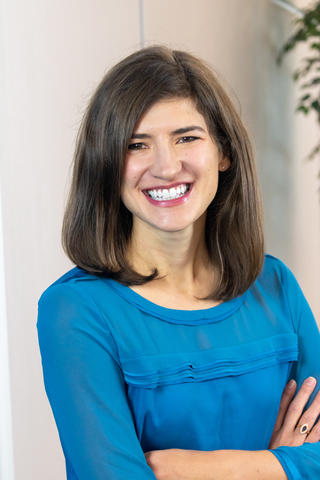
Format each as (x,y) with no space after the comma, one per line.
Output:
(170,193)
(166,197)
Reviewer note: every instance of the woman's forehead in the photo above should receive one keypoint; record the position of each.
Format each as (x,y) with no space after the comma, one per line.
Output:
(171,113)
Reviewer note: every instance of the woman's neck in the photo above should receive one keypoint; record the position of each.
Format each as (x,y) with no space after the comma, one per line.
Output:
(181,256)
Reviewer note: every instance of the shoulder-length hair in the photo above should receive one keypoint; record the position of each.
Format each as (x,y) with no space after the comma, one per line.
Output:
(97,226)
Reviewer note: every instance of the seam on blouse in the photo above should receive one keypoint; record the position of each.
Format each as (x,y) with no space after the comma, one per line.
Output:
(203,351)
(287,299)
(203,319)
(102,316)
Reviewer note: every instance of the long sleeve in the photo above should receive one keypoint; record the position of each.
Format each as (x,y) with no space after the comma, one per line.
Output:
(302,462)
(86,389)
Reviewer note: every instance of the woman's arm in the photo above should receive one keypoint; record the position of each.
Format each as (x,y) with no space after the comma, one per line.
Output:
(176,464)
(86,389)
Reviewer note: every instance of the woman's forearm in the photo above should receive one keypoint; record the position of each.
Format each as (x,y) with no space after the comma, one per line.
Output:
(234,465)
(179,464)
(240,465)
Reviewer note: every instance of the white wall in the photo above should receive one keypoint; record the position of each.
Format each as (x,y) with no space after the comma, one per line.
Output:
(6,447)
(53,53)
(52,56)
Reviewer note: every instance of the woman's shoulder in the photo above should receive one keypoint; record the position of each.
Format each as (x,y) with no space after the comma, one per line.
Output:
(66,280)
(69,310)
(78,282)
(278,278)
(271,261)
(275,267)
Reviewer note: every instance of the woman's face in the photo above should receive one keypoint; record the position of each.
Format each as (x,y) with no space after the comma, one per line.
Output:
(171,167)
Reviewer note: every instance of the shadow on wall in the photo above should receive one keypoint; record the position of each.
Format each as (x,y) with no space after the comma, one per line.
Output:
(274,131)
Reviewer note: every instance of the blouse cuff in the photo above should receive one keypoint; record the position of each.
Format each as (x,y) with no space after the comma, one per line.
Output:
(287,464)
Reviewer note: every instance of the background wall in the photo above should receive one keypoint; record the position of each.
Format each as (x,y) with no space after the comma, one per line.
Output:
(52,56)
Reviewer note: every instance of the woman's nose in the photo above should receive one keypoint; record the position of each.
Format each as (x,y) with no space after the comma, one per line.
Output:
(165,162)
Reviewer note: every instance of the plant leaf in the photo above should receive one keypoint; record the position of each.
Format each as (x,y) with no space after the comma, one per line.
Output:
(303,109)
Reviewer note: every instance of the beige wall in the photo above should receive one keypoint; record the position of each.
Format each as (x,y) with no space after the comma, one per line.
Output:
(53,54)
(306,204)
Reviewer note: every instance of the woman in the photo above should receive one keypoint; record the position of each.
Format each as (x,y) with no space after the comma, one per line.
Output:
(167,348)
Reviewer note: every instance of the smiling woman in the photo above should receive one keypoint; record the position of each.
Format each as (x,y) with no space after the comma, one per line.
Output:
(167,348)
(158,84)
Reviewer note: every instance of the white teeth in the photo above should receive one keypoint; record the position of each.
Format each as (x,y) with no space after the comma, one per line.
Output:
(170,194)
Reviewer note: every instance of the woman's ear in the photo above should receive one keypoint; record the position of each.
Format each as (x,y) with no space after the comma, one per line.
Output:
(224,164)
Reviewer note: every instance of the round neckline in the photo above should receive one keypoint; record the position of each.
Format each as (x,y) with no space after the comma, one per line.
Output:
(205,315)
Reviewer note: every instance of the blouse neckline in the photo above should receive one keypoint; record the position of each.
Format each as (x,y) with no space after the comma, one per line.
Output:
(191,317)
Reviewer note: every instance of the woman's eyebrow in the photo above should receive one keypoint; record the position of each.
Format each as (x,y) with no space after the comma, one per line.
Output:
(188,129)
(141,135)
(179,131)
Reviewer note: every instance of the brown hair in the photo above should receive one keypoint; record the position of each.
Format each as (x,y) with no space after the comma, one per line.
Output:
(97,226)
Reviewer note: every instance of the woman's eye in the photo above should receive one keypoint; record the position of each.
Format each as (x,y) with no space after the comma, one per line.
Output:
(136,146)
(187,139)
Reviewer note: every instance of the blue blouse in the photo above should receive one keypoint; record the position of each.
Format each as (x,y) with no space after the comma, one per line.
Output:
(125,376)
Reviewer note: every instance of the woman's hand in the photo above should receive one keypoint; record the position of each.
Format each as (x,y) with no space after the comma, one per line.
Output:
(290,418)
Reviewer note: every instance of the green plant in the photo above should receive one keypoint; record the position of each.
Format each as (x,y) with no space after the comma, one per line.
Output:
(307,29)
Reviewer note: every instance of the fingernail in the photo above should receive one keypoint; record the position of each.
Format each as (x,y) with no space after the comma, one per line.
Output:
(291,384)
(310,381)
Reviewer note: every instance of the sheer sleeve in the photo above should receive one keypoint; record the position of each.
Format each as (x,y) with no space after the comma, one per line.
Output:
(302,462)
(86,390)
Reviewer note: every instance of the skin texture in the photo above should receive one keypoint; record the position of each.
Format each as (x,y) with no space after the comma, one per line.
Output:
(164,158)
(291,416)
(178,464)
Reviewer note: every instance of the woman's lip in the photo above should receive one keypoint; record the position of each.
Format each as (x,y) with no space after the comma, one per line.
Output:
(162,187)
